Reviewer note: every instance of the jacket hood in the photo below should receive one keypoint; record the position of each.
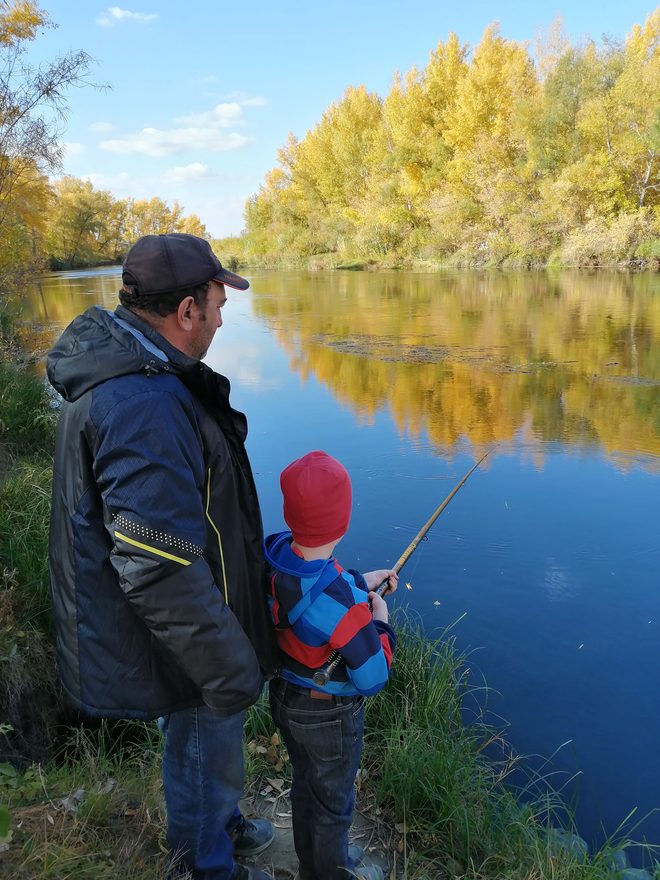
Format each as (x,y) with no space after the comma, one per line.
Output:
(309,578)
(100,345)
(279,555)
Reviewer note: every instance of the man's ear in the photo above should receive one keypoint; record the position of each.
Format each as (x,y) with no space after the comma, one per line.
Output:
(185,313)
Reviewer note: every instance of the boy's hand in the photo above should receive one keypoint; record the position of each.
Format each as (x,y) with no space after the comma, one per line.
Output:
(374,579)
(379,607)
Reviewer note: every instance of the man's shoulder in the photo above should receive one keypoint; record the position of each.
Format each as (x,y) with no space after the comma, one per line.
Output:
(137,391)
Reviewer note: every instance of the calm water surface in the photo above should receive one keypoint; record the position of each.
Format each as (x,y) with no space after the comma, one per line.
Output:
(550,554)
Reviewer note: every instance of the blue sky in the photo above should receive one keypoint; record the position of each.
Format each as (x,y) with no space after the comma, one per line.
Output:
(202,94)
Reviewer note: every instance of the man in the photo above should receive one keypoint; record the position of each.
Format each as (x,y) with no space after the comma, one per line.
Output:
(156,562)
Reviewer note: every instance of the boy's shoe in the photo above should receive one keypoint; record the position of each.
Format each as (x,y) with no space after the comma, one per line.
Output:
(240,872)
(356,853)
(369,872)
(364,868)
(251,837)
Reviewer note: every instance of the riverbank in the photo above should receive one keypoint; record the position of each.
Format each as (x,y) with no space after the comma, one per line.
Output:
(332,262)
(627,244)
(88,800)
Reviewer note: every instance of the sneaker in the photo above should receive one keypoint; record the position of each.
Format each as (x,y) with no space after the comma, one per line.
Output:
(240,872)
(369,872)
(365,868)
(363,871)
(355,853)
(251,837)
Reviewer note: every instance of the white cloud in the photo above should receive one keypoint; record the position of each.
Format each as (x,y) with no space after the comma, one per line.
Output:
(72,149)
(157,144)
(188,173)
(222,115)
(115,14)
(102,127)
(121,184)
(247,100)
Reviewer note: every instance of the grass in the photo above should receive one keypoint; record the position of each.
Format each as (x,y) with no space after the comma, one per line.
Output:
(30,698)
(24,521)
(97,812)
(27,420)
(96,809)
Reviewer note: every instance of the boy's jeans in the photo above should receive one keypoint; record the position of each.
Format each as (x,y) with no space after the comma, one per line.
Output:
(324,740)
(202,780)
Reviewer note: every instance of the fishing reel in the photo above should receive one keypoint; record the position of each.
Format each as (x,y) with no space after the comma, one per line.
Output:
(322,676)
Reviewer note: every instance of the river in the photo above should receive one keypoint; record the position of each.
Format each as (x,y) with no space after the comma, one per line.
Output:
(547,561)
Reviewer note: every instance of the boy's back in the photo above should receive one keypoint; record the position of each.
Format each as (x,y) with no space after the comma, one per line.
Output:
(317,608)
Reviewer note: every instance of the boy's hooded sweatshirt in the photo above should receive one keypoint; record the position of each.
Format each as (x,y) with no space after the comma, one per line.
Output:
(318,607)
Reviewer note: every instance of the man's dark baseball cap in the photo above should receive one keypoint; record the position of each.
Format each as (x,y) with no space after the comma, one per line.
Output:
(165,263)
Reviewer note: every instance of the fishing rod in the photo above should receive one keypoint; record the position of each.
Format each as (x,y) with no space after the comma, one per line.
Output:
(322,676)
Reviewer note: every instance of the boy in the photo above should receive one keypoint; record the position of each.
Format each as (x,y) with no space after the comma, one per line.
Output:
(318,607)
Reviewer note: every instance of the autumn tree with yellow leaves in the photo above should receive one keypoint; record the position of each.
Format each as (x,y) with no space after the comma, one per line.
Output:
(490,156)
(88,226)
(32,111)
(68,221)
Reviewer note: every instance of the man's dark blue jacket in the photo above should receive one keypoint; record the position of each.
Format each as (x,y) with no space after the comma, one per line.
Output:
(156,564)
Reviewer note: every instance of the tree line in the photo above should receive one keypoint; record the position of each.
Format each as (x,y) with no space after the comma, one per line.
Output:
(489,156)
(87,226)
(65,223)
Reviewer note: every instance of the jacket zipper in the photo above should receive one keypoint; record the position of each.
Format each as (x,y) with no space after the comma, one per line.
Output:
(213,525)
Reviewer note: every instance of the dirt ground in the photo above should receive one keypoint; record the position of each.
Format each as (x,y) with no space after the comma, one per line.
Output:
(280,860)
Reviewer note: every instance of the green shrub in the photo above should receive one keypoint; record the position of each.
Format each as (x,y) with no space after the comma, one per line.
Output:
(27,418)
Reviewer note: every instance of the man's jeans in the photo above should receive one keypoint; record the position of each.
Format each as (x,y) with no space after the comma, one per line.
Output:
(202,780)
(324,740)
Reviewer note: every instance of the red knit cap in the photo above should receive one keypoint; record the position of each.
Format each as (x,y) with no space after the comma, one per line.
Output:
(317,499)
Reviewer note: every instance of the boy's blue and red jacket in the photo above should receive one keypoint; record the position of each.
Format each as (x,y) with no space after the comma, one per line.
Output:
(318,607)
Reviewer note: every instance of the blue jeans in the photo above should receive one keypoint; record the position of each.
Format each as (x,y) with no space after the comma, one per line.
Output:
(202,781)
(324,740)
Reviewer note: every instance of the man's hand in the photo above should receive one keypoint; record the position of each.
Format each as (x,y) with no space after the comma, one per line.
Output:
(374,579)
(379,607)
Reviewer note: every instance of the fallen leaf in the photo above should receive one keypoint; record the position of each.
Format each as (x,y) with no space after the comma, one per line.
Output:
(107,786)
(73,801)
(276,783)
